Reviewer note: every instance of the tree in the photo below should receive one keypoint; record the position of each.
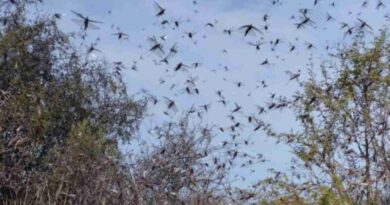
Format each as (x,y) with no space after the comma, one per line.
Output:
(343,141)
(184,166)
(61,117)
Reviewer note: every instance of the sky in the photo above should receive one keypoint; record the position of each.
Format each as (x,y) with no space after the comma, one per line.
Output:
(217,51)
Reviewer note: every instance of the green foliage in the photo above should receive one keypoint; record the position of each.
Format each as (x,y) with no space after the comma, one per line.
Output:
(344,118)
(341,149)
(61,118)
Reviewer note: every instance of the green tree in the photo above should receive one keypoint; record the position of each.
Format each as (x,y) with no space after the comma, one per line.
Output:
(343,141)
(61,117)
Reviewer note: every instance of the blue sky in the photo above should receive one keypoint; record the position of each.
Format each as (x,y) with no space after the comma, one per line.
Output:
(137,18)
